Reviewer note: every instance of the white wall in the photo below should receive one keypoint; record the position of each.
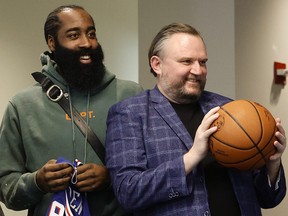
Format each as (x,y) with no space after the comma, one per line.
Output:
(261,39)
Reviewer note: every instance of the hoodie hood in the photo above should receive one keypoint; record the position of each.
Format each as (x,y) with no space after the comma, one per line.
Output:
(50,69)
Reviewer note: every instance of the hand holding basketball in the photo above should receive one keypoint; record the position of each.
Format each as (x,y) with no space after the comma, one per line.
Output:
(245,136)
(280,145)
(203,133)
(200,146)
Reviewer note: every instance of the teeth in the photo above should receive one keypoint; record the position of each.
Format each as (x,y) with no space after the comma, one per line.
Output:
(86,57)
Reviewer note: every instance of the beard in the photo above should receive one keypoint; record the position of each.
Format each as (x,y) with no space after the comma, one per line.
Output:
(76,74)
(179,92)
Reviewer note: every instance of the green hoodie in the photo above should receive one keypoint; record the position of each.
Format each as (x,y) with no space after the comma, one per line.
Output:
(35,130)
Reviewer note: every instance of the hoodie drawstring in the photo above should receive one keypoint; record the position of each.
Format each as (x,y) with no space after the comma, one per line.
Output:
(73,126)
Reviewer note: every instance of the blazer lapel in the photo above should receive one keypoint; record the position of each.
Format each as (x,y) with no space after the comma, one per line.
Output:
(166,111)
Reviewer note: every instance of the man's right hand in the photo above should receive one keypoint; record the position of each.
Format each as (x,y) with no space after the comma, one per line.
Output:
(54,177)
(200,146)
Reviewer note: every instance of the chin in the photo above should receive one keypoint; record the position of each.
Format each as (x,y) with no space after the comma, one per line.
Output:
(193,91)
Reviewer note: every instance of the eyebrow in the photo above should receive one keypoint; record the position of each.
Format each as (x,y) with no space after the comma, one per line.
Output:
(78,29)
(194,59)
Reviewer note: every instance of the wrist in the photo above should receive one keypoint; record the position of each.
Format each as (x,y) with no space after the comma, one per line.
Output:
(191,159)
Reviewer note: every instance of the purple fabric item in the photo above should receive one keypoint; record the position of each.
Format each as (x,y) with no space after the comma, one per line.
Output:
(69,202)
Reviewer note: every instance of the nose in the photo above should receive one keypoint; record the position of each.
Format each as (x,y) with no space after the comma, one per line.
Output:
(196,68)
(85,42)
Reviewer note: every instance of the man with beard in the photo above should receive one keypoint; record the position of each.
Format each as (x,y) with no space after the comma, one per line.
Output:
(157,142)
(39,142)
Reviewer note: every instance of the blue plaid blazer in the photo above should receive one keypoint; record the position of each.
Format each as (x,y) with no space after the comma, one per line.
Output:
(145,144)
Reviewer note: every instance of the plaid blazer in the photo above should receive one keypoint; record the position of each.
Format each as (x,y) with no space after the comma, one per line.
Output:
(145,144)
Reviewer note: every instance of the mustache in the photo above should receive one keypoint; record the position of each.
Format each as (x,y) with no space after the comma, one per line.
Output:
(84,51)
(96,56)
(195,78)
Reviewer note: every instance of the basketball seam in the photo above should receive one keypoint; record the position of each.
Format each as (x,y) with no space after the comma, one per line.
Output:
(259,150)
(238,123)
(254,143)
(243,129)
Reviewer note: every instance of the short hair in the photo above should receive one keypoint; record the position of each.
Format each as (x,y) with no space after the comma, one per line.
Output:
(53,23)
(165,33)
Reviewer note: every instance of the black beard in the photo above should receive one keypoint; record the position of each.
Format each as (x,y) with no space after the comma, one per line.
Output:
(78,75)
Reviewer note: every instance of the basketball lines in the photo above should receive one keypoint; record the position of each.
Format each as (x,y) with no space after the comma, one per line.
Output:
(249,137)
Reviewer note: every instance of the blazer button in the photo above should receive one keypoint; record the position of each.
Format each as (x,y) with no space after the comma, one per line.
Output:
(171,195)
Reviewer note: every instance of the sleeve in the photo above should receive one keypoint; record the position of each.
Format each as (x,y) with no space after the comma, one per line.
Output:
(18,187)
(137,183)
(268,196)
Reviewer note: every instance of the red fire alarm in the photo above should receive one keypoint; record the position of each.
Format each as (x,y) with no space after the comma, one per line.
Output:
(280,72)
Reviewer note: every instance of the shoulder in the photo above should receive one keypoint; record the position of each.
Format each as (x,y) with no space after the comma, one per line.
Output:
(208,100)
(127,85)
(24,101)
(133,102)
(28,95)
(126,88)
(212,96)
(130,110)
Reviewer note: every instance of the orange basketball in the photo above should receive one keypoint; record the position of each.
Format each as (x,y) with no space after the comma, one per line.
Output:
(245,135)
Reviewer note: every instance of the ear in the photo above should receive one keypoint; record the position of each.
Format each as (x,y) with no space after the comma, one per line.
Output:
(155,63)
(51,43)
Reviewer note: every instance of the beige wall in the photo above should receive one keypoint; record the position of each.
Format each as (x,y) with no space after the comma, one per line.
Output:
(242,45)
(261,39)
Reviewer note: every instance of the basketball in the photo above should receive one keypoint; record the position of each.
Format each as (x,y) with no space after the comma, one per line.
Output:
(245,136)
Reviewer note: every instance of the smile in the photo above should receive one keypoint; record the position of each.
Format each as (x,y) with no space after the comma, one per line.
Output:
(85,59)
(193,80)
